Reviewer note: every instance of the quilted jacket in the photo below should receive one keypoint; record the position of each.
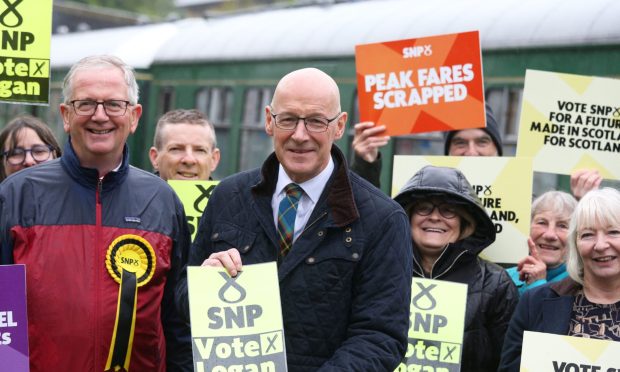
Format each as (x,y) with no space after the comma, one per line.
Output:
(345,286)
(491,294)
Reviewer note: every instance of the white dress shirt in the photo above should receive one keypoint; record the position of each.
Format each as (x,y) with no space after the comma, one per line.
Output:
(313,188)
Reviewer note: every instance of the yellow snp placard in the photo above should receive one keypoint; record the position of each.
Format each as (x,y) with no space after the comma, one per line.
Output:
(568,354)
(26,28)
(436,326)
(194,195)
(236,322)
(504,186)
(570,122)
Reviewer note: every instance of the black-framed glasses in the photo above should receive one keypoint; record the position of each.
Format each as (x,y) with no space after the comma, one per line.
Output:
(17,156)
(425,208)
(87,107)
(316,124)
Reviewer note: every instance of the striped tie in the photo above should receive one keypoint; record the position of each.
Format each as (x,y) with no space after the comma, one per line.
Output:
(286,217)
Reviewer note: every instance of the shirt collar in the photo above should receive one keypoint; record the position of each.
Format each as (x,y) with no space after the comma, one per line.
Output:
(313,188)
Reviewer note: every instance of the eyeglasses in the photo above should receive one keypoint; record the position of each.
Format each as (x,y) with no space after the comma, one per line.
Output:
(17,156)
(87,107)
(425,208)
(316,124)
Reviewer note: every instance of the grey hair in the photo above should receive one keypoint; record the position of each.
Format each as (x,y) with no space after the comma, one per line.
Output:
(597,209)
(100,61)
(559,202)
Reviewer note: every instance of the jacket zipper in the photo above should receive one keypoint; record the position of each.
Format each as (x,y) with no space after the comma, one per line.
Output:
(437,260)
(98,278)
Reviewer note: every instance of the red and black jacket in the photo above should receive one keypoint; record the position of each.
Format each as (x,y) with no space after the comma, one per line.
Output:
(61,220)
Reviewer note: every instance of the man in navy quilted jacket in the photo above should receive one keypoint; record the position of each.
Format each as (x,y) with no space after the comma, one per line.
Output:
(344,264)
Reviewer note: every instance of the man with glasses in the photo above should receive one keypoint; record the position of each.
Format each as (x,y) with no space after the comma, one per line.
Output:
(343,248)
(184,146)
(102,241)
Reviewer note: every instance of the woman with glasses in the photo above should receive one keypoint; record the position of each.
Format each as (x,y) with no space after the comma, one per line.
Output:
(450,228)
(26,141)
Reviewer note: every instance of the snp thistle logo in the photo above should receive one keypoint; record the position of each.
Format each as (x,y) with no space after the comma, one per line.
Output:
(417,51)
(10,17)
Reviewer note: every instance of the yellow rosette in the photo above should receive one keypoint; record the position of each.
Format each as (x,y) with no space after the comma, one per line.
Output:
(130,261)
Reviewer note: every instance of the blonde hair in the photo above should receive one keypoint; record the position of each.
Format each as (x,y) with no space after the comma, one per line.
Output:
(597,209)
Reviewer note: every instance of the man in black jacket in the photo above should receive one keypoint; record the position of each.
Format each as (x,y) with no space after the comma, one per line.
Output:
(345,277)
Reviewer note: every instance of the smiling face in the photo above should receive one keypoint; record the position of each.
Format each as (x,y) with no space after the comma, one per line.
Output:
(27,138)
(305,93)
(599,248)
(432,233)
(549,231)
(98,139)
(187,153)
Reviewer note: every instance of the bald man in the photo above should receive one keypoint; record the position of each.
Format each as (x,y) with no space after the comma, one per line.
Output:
(345,269)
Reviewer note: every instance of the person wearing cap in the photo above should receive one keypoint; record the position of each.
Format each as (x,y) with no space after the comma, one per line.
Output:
(450,228)
(485,141)
(367,140)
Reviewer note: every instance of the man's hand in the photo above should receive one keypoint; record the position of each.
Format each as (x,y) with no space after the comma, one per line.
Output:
(230,260)
(366,140)
(584,180)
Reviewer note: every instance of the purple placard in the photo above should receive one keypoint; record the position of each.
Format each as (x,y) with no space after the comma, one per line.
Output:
(13,319)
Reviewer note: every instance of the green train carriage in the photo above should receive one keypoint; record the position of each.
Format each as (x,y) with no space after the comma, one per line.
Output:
(228,66)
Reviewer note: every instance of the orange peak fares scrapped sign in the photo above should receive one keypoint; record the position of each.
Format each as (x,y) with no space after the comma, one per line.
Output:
(422,85)
(25,37)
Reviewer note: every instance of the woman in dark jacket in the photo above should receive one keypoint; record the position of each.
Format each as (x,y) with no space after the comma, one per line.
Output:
(450,228)
(587,304)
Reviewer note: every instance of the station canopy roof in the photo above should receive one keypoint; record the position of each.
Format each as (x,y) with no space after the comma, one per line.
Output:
(333,30)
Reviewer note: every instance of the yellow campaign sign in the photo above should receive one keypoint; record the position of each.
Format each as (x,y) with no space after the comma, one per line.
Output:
(568,353)
(570,122)
(194,195)
(236,322)
(436,326)
(26,28)
(504,186)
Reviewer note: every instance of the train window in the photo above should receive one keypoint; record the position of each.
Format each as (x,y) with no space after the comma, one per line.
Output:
(254,106)
(256,145)
(419,144)
(506,105)
(202,100)
(220,106)
(166,99)
(216,103)
(52,115)
(353,119)
(8,111)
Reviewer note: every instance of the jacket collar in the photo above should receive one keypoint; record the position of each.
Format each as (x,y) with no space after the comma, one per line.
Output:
(556,311)
(566,287)
(340,198)
(89,177)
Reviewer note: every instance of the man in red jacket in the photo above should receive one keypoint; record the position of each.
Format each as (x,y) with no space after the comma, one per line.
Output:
(102,241)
